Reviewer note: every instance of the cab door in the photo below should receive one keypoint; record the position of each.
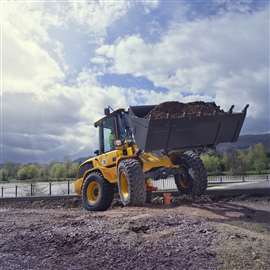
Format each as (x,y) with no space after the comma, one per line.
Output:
(108,154)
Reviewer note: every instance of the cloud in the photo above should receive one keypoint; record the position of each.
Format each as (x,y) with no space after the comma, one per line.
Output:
(94,16)
(150,5)
(223,57)
(33,61)
(243,6)
(27,66)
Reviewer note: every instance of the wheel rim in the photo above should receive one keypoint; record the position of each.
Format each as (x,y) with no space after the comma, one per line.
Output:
(124,186)
(93,191)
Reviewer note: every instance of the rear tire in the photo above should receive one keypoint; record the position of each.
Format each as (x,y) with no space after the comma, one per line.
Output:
(131,183)
(97,192)
(194,178)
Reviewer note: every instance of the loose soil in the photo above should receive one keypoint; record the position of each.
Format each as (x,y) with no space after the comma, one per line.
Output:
(202,234)
(175,110)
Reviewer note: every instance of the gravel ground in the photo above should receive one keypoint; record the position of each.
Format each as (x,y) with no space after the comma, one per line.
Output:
(187,235)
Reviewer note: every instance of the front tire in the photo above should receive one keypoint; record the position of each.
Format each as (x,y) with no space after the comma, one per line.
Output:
(193,179)
(97,192)
(131,183)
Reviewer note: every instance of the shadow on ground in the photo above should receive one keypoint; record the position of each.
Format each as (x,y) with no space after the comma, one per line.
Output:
(237,214)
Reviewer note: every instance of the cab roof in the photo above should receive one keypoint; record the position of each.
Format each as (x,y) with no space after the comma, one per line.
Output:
(97,123)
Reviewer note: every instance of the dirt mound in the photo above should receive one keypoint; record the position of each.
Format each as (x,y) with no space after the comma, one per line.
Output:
(175,110)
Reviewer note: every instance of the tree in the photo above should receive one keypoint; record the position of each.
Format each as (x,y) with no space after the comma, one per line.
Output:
(232,162)
(243,161)
(11,169)
(28,172)
(258,157)
(43,172)
(3,175)
(73,170)
(212,163)
(58,170)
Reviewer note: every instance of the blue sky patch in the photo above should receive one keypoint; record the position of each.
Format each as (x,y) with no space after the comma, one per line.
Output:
(128,81)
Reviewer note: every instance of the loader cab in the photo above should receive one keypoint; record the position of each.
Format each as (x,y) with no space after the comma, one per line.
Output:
(111,129)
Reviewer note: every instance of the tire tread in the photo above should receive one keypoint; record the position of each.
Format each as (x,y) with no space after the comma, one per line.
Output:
(106,196)
(133,169)
(200,175)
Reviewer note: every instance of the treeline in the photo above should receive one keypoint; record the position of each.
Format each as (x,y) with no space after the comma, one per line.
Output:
(55,170)
(252,160)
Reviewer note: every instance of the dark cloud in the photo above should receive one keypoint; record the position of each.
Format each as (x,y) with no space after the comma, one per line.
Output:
(28,114)
(36,129)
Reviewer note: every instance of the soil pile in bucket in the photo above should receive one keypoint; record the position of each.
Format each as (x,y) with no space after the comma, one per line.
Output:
(175,110)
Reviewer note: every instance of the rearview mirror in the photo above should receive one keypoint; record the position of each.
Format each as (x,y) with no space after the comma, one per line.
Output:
(107,111)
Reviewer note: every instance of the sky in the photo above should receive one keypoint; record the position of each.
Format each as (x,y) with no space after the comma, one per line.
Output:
(62,62)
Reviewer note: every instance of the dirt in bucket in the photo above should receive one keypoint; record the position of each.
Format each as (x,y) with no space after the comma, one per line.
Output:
(175,110)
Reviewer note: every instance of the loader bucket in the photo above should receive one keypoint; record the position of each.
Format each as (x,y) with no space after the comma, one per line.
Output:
(185,132)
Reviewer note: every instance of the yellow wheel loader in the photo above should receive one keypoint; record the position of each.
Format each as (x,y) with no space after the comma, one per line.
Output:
(148,143)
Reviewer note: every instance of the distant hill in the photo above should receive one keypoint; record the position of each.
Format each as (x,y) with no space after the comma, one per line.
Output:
(245,141)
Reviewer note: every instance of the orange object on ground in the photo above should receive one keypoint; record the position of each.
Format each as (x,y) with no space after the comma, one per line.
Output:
(167,197)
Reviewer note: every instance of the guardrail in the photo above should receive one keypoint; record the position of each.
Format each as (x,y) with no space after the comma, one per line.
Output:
(56,188)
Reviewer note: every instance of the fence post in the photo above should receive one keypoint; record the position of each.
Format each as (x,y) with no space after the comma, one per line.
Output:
(2,191)
(220,179)
(68,187)
(50,189)
(31,190)
(16,191)
(243,178)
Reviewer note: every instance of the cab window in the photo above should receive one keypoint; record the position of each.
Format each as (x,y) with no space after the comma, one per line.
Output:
(122,129)
(108,134)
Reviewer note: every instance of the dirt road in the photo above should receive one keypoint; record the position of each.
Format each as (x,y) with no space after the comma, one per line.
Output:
(210,235)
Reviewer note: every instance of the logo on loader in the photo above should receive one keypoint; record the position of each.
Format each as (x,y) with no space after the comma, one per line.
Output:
(103,162)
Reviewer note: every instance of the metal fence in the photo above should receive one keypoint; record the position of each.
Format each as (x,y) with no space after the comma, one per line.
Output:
(37,189)
(169,184)
(238,178)
(56,188)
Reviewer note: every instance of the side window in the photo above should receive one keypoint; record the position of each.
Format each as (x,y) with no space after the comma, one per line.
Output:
(108,134)
(121,127)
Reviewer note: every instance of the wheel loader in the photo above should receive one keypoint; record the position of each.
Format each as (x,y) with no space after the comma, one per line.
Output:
(152,142)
